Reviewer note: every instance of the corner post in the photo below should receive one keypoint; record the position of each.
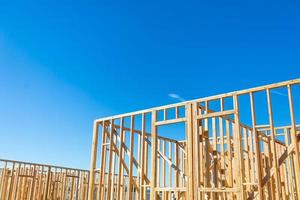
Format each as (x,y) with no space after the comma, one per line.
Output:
(93,161)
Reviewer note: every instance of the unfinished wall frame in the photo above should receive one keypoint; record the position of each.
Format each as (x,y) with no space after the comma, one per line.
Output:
(227,153)
(31,181)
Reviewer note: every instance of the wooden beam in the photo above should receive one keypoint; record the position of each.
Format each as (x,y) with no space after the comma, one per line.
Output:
(153,156)
(93,161)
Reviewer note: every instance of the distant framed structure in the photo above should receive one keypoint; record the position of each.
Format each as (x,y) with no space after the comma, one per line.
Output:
(32,181)
(239,145)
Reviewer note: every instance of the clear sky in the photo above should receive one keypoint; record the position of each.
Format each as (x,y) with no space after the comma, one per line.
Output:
(65,63)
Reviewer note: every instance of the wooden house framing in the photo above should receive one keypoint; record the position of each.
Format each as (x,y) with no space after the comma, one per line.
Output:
(239,145)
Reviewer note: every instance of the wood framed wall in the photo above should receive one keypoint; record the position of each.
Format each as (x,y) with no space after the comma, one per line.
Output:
(32,181)
(239,145)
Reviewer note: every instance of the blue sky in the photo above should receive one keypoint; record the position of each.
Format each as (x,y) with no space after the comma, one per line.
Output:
(65,63)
